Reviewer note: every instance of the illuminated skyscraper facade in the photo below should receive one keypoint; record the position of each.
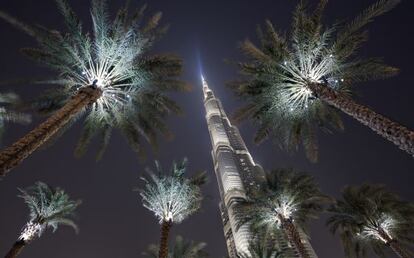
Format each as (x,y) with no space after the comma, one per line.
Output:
(238,176)
(236,171)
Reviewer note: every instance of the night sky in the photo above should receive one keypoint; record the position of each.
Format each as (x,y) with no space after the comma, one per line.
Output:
(111,219)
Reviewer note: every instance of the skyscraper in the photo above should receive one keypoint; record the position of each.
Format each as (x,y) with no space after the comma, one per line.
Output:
(237,173)
(238,176)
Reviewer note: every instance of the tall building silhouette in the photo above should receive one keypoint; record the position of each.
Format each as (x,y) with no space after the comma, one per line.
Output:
(238,176)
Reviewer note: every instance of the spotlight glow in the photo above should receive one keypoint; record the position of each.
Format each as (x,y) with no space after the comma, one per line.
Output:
(385,225)
(30,231)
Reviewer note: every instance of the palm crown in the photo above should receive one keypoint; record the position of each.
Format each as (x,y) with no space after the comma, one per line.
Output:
(370,215)
(288,200)
(280,70)
(173,197)
(7,102)
(288,194)
(182,249)
(114,60)
(49,207)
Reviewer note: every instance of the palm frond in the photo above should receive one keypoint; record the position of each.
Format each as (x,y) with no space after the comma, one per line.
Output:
(287,193)
(9,104)
(182,249)
(266,244)
(171,197)
(115,58)
(49,207)
(367,213)
(278,71)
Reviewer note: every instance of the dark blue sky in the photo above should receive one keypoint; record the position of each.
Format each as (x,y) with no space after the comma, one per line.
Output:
(111,218)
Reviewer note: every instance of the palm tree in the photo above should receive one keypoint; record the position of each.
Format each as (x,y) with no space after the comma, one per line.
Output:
(8,102)
(370,215)
(49,207)
(182,249)
(289,199)
(109,78)
(263,246)
(294,85)
(172,198)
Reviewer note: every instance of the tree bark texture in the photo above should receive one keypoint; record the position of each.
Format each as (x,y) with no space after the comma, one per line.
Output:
(390,130)
(16,153)
(393,244)
(16,249)
(396,247)
(293,236)
(165,232)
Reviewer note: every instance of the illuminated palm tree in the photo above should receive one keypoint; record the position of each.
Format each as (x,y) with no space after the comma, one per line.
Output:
(8,102)
(49,207)
(371,216)
(288,201)
(181,249)
(295,85)
(108,78)
(172,198)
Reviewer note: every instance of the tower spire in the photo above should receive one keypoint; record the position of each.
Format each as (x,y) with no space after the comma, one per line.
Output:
(203,80)
(206,90)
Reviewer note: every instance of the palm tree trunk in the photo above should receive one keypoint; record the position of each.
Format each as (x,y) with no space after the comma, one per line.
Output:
(15,154)
(293,236)
(16,249)
(395,246)
(390,130)
(165,232)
